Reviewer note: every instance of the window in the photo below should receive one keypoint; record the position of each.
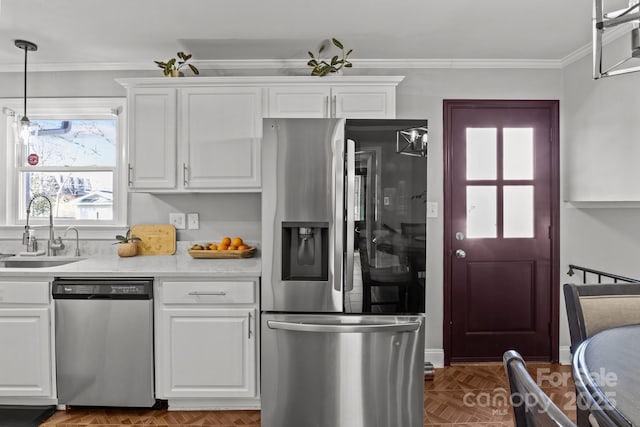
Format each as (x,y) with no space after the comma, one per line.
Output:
(73,157)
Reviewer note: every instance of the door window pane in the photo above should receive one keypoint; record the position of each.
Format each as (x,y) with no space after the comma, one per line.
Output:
(481,211)
(517,153)
(518,211)
(481,153)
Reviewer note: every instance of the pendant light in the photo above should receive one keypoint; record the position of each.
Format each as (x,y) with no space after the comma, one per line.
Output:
(608,21)
(24,122)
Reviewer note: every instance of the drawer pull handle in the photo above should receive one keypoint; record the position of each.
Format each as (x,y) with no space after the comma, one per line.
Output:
(219,294)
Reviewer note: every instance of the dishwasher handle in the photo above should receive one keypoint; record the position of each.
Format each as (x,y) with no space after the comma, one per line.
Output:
(344,328)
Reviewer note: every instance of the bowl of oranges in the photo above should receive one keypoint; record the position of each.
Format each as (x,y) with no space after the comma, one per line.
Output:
(227,248)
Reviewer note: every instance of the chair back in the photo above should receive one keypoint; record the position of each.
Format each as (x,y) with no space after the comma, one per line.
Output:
(396,281)
(594,308)
(413,229)
(531,406)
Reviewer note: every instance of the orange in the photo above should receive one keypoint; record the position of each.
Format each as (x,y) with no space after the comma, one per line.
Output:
(226,241)
(233,247)
(237,241)
(243,247)
(212,247)
(222,247)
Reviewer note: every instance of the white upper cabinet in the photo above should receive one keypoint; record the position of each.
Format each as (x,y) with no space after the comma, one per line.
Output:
(152,126)
(221,128)
(343,97)
(299,101)
(203,134)
(364,102)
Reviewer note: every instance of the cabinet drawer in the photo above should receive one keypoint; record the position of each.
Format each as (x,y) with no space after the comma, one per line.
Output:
(241,292)
(24,292)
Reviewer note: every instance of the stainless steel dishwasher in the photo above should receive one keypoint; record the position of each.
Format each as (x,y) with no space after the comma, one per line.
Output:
(104,341)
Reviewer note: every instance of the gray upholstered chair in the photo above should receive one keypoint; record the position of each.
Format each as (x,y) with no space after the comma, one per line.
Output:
(594,308)
(531,406)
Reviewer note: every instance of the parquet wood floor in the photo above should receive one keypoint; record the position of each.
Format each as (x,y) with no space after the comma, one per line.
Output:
(469,395)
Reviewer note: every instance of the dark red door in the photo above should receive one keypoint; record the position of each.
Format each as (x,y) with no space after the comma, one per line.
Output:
(501,210)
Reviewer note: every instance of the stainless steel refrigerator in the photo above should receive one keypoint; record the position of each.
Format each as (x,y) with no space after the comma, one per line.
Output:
(343,260)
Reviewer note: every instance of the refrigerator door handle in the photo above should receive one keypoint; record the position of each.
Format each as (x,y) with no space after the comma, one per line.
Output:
(339,212)
(344,328)
(350,212)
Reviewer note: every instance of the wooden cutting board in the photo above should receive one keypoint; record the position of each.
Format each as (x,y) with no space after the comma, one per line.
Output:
(156,239)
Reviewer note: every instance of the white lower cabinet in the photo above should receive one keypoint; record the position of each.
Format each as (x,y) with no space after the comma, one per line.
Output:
(211,352)
(25,339)
(206,344)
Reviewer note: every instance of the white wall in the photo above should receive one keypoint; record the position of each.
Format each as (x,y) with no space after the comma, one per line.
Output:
(600,170)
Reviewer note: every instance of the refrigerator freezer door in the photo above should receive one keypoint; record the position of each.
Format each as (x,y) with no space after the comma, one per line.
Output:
(342,371)
(303,215)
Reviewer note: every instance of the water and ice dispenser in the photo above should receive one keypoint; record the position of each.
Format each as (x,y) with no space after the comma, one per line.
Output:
(305,250)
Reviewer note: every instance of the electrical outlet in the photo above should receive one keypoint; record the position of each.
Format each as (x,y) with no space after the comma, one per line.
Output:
(193,221)
(178,220)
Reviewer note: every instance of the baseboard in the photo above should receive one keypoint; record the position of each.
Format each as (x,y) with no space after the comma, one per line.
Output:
(435,356)
(25,400)
(213,404)
(565,355)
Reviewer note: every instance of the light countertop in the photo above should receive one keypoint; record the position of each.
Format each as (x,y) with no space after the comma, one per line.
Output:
(179,265)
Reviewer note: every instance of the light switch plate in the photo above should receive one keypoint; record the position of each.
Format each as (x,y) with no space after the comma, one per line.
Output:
(432,209)
(193,221)
(178,220)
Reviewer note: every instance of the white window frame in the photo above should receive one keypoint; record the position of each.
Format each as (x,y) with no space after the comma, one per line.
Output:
(60,108)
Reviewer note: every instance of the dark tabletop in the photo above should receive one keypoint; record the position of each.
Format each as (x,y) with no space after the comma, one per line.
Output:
(612,358)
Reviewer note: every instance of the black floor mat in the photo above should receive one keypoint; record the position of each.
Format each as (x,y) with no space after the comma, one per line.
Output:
(24,416)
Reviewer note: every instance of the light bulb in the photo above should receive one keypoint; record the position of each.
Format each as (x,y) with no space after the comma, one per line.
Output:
(25,130)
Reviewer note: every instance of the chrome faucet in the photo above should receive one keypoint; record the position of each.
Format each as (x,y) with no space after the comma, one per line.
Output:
(77,239)
(52,244)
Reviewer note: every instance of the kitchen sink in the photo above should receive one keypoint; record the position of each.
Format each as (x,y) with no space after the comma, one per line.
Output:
(36,263)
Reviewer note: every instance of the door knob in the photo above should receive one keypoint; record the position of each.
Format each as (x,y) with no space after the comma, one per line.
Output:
(460,253)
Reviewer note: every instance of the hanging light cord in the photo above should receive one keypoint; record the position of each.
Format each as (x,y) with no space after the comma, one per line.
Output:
(26,46)
(25,80)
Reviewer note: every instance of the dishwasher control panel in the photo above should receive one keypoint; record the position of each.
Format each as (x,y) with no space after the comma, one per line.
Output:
(102,288)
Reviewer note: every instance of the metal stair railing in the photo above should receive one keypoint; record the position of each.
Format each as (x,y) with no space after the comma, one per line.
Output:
(590,272)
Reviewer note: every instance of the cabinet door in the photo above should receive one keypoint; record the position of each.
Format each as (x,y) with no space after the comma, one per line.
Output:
(207,352)
(152,138)
(25,358)
(304,102)
(221,132)
(364,102)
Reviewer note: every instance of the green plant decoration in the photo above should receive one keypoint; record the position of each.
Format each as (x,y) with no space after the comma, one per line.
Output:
(321,67)
(127,238)
(174,66)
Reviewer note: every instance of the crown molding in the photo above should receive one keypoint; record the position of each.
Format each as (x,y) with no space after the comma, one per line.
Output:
(276,64)
(457,63)
(260,81)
